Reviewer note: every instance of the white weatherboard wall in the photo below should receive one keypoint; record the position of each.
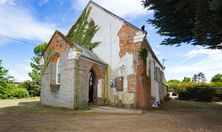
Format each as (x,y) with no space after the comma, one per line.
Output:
(154,83)
(108,51)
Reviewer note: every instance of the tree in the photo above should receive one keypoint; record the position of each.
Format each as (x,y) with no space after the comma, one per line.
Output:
(174,81)
(35,74)
(195,78)
(200,77)
(5,78)
(81,35)
(186,80)
(198,22)
(217,78)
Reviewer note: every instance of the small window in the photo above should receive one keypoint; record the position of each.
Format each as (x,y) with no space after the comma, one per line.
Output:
(91,23)
(58,76)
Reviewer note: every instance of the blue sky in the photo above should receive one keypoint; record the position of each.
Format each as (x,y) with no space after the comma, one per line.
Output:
(35,21)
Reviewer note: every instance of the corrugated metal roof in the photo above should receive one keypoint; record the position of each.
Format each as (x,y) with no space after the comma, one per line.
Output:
(89,54)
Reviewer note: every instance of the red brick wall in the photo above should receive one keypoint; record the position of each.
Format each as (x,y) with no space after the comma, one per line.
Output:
(138,83)
(126,34)
(143,83)
(59,45)
(131,83)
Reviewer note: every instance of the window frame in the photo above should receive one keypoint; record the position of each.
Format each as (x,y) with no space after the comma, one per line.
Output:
(57,65)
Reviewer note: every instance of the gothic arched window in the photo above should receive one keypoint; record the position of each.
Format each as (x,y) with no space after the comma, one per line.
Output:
(58,71)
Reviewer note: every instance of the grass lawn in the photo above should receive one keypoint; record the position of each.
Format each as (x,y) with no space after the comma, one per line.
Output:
(28,105)
(172,106)
(32,105)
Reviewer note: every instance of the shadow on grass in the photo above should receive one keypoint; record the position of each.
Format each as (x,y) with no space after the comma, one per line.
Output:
(32,107)
(191,107)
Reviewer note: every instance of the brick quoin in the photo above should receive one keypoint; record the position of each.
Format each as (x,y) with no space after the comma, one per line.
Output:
(136,84)
(143,84)
(45,73)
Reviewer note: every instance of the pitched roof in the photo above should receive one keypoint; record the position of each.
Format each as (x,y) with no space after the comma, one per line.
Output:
(88,54)
(85,52)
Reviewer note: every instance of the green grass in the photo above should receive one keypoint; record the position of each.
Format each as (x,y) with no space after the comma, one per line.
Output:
(32,105)
(28,105)
(191,107)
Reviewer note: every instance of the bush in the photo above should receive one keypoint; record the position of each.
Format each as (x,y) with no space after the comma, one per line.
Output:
(13,92)
(166,98)
(32,87)
(184,95)
(208,93)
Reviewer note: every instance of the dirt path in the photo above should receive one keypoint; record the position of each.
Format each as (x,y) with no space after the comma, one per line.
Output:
(149,121)
(183,116)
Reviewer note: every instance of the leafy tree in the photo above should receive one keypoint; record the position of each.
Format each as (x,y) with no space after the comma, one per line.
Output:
(195,78)
(174,81)
(198,22)
(186,80)
(81,35)
(35,74)
(11,91)
(5,78)
(217,78)
(31,87)
(200,77)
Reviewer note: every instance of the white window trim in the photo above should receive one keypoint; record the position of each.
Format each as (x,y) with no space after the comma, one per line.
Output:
(57,71)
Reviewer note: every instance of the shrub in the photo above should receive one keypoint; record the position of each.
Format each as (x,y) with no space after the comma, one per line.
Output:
(208,93)
(184,95)
(166,98)
(32,87)
(21,93)
(216,84)
(12,92)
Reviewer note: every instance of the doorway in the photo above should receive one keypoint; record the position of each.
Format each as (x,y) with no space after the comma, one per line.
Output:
(92,91)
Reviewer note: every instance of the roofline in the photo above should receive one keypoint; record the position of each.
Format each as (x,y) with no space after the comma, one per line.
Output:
(112,14)
(92,60)
(64,37)
(150,49)
(88,57)
(69,42)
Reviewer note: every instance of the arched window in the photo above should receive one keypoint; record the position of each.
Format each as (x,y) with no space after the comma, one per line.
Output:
(58,71)
(91,23)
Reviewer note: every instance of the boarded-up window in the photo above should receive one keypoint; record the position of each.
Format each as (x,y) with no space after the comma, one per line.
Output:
(161,76)
(119,84)
(91,23)
(155,72)
(158,74)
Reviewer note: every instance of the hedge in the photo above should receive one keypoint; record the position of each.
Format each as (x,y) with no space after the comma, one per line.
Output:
(184,95)
(13,92)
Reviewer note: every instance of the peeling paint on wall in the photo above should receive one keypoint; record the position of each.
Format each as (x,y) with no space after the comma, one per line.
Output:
(99,88)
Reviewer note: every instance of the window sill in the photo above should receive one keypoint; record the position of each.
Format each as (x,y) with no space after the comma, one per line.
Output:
(54,87)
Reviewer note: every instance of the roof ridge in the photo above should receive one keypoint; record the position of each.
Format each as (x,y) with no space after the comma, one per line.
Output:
(112,14)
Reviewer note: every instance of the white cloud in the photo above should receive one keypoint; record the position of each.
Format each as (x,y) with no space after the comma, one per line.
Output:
(209,62)
(20,72)
(129,9)
(42,2)
(158,46)
(156,52)
(25,67)
(11,2)
(19,23)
